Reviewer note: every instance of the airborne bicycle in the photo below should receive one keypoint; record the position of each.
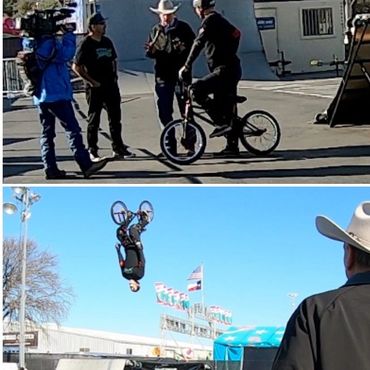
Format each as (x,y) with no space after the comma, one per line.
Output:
(183,141)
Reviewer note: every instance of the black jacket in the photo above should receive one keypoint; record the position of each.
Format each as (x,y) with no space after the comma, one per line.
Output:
(134,267)
(220,40)
(172,48)
(329,331)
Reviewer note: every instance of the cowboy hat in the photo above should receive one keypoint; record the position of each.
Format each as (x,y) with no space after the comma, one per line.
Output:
(165,7)
(357,233)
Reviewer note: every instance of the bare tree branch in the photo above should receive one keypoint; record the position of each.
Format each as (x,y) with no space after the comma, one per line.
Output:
(48,299)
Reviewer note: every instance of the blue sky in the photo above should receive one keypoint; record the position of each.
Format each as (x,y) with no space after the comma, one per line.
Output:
(257,245)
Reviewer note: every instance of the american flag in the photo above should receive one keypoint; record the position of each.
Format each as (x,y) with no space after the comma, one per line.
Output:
(197,274)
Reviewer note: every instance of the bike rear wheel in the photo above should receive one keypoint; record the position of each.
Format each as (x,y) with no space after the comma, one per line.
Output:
(183,142)
(260,132)
(119,212)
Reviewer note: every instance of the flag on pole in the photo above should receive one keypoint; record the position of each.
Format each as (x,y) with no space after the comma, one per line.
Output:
(197,274)
(195,286)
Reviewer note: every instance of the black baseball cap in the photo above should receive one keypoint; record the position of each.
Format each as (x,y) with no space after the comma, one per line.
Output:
(96,18)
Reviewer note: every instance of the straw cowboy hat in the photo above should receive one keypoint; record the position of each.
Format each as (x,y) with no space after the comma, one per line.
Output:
(165,7)
(357,233)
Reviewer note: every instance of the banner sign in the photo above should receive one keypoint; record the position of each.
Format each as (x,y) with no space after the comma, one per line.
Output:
(220,315)
(12,339)
(171,297)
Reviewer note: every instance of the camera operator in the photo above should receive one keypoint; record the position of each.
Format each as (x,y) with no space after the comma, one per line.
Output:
(53,97)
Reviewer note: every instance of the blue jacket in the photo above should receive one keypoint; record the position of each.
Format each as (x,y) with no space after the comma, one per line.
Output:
(55,82)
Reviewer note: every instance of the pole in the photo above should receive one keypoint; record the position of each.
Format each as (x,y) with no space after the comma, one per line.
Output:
(22,308)
(203,308)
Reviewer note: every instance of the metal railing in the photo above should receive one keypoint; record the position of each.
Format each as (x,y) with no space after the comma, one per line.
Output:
(12,82)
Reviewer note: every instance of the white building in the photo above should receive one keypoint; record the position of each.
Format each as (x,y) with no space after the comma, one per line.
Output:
(303,31)
(54,339)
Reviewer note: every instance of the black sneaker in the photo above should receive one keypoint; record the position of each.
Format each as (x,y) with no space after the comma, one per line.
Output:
(95,167)
(94,156)
(55,174)
(220,131)
(122,154)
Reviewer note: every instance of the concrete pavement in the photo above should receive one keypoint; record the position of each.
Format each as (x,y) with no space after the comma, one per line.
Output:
(307,154)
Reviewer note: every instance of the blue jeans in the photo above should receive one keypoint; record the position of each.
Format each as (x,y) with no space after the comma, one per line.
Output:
(165,91)
(62,110)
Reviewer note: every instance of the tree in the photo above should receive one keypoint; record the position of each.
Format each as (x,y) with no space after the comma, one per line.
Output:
(48,299)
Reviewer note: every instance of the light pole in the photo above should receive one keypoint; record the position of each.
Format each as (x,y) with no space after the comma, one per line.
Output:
(26,198)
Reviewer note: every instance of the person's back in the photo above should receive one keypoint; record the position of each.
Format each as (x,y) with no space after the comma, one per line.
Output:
(221,41)
(53,53)
(331,330)
(341,320)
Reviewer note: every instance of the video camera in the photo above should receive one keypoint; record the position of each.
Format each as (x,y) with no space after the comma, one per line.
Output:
(47,21)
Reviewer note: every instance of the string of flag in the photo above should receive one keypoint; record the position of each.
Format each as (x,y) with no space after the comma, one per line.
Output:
(179,300)
(171,297)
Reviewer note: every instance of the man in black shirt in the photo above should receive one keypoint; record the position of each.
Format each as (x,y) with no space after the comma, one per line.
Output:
(330,330)
(221,41)
(169,44)
(133,265)
(96,63)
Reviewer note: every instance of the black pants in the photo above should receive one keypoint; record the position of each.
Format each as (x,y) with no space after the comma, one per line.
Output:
(109,98)
(222,83)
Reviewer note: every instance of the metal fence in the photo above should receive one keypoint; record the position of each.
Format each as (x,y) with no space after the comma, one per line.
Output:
(13,85)
(12,82)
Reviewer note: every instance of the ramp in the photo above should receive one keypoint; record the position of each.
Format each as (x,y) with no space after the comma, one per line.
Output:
(131,20)
(91,364)
(351,103)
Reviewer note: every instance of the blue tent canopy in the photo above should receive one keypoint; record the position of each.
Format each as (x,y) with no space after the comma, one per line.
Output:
(230,345)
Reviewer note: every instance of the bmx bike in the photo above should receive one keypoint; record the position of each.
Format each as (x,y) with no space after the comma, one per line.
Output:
(122,216)
(183,141)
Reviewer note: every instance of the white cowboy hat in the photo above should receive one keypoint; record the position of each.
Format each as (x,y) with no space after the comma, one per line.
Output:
(357,233)
(165,7)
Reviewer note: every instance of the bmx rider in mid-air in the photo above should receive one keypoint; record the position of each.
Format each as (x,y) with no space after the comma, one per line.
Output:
(133,264)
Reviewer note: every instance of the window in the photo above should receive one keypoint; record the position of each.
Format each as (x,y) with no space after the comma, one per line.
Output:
(128,351)
(317,22)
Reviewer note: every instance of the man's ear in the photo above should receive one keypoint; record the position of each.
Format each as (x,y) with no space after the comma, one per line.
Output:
(349,258)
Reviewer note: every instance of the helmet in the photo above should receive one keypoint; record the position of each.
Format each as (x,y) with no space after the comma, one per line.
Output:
(204,4)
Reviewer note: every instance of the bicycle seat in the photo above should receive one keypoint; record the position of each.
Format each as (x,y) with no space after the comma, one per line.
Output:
(241,99)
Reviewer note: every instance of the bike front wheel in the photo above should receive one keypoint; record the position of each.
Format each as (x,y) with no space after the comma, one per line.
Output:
(183,142)
(260,132)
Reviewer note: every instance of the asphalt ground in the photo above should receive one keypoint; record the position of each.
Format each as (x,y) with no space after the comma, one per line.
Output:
(308,153)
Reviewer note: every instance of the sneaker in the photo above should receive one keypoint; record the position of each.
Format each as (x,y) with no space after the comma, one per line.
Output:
(94,156)
(220,131)
(55,174)
(95,167)
(229,151)
(122,154)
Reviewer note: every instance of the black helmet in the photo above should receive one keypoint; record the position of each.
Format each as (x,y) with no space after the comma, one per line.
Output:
(204,4)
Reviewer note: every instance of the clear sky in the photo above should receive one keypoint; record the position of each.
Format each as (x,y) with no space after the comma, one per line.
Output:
(257,245)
